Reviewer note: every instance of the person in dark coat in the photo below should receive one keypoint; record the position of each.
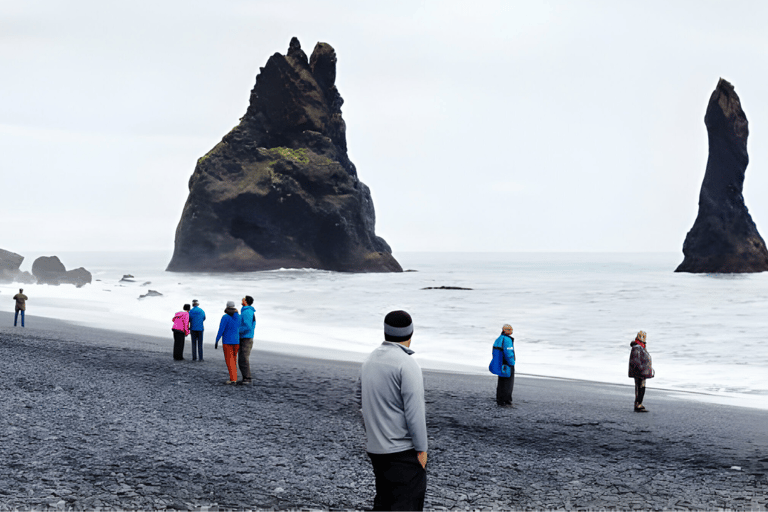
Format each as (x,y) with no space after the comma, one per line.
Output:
(640,368)
(503,365)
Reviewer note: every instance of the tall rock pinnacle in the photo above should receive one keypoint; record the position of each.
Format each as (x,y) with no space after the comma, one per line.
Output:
(724,238)
(279,190)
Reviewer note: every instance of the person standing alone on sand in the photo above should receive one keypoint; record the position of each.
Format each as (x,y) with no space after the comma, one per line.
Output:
(196,319)
(21,306)
(180,331)
(640,368)
(392,402)
(503,365)
(229,328)
(247,329)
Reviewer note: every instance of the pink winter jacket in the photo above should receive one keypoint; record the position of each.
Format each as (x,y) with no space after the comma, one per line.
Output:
(181,322)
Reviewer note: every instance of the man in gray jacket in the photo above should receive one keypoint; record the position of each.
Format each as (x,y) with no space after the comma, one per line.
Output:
(392,400)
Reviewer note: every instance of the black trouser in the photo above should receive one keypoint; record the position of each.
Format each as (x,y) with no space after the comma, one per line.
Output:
(504,388)
(401,482)
(639,390)
(178,344)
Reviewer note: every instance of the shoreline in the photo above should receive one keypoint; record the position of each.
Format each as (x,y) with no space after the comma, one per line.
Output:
(756,402)
(97,420)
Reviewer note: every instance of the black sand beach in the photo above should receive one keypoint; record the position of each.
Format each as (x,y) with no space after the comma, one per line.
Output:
(97,419)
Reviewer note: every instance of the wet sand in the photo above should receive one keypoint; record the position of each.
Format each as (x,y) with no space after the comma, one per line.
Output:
(99,419)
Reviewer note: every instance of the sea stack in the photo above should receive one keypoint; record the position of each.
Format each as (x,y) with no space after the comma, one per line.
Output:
(50,270)
(279,190)
(724,239)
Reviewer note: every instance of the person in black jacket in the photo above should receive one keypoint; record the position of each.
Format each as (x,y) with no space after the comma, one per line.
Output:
(640,368)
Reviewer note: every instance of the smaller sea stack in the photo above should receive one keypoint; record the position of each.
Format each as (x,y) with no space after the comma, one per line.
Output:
(724,239)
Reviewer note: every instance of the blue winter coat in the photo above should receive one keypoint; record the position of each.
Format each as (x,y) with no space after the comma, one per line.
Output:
(503,356)
(247,322)
(196,318)
(228,329)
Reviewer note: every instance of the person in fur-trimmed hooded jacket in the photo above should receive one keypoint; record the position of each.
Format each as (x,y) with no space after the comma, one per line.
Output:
(640,368)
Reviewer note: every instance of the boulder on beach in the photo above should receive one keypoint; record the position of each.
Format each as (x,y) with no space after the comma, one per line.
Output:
(50,270)
(279,190)
(724,238)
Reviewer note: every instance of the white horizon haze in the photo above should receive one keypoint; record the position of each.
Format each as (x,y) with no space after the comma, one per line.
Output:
(492,126)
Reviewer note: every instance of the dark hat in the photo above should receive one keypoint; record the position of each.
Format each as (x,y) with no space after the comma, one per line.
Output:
(398,326)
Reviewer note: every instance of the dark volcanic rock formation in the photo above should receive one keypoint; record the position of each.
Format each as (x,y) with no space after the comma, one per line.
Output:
(50,270)
(9,265)
(724,238)
(9,269)
(279,189)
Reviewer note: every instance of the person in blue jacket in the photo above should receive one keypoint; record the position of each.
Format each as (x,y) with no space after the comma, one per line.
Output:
(503,365)
(228,334)
(196,319)
(247,329)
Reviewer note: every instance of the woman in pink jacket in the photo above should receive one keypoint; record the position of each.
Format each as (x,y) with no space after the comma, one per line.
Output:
(180,331)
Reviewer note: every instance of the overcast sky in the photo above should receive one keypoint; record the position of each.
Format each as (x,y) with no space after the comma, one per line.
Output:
(479,126)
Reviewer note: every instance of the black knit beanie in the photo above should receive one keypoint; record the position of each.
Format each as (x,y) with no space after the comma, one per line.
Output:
(398,326)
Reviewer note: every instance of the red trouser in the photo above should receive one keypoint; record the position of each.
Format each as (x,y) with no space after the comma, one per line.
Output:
(230,356)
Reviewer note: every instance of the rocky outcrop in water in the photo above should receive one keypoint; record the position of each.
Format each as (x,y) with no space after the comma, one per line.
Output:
(724,238)
(279,190)
(10,271)
(50,270)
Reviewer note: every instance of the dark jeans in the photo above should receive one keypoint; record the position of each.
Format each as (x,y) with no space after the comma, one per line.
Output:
(243,358)
(401,482)
(16,317)
(178,344)
(504,388)
(197,344)
(639,390)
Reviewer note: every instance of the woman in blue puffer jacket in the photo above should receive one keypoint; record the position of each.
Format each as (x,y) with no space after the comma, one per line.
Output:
(229,335)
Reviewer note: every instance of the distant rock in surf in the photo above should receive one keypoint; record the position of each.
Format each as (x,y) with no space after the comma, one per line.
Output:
(279,190)
(10,260)
(9,268)
(127,278)
(50,270)
(445,288)
(724,238)
(151,293)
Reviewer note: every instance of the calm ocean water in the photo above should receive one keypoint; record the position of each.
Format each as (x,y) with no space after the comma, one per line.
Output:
(574,314)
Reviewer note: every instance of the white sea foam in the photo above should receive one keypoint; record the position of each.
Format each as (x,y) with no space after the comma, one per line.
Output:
(573,314)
